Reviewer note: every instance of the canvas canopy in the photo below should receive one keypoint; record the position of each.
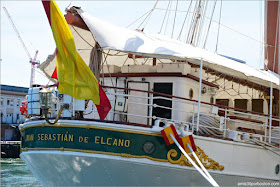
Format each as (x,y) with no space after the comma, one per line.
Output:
(111,37)
(136,42)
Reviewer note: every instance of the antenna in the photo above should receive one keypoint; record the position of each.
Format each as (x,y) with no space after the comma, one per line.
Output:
(33,61)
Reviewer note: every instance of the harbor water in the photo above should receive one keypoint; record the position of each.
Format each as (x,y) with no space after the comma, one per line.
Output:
(14,172)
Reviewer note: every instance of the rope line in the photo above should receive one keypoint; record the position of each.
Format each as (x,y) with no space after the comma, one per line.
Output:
(219,27)
(164,17)
(174,20)
(266,45)
(211,18)
(185,20)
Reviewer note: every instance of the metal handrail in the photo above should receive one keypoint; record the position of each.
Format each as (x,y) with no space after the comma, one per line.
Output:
(192,104)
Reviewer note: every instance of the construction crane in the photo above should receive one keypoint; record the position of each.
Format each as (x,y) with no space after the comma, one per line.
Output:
(33,61)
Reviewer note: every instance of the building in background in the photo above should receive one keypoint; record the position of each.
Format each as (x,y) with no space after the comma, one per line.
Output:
(11,99)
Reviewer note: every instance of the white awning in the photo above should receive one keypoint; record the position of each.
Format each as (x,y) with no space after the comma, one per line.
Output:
(136,42)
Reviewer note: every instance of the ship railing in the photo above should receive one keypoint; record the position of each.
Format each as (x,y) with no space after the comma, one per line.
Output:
(190,126)
(187,111)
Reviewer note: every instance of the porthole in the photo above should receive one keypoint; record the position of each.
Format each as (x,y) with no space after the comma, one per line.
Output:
(212,100)
(149,147)
(191,93)
(277,169)
(203,90)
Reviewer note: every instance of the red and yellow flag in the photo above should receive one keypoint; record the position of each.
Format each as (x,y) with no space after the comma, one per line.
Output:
(166,135)
(182,141)
(188,139)
(74,76)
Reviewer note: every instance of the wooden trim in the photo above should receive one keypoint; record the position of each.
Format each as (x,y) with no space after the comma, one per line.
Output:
(246,119)
(161,74)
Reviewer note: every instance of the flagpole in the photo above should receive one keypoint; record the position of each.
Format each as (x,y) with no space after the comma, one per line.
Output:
(201,165)
(192,162)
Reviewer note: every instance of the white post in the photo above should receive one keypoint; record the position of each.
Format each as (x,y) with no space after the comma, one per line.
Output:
(265,130)
(73,112)
(151,110)
(110,112)
(189,158)
(270,112)
(199,94)
(225,123)
(57,101)
(193,118)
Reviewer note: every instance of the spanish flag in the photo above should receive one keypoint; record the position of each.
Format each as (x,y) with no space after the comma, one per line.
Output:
(188,139)
(166,135)
(74,76)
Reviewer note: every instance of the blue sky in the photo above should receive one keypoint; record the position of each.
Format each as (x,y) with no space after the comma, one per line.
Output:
(31,21)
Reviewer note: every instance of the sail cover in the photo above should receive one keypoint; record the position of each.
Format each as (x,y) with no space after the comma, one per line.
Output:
(136,42)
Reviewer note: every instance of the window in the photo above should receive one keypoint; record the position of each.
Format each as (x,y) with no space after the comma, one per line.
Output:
(257,105)
(165,88)
(8,101)
(212,100)
(18,102)
(223,102)
(191,93)
(241,103)
(12,102)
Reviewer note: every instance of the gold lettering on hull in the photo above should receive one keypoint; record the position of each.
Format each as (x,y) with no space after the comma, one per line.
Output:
(55,137)
(108,141)
(81,139)
(111,141)
(29,137)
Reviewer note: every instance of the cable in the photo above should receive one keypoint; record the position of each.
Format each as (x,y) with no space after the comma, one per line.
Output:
(82,37)
(164,17)
(138,19)
(219,27)
(167,18)
(201,25)
(225,27)
(105,61)
(210,24)
(45,111)
(207,125)
(185,20)
(149,15)
(174,19)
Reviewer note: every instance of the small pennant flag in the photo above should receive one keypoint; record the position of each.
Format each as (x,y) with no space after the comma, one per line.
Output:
(188,139)
(166,135)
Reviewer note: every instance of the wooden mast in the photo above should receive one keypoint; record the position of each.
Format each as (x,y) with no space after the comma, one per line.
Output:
(272,37)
